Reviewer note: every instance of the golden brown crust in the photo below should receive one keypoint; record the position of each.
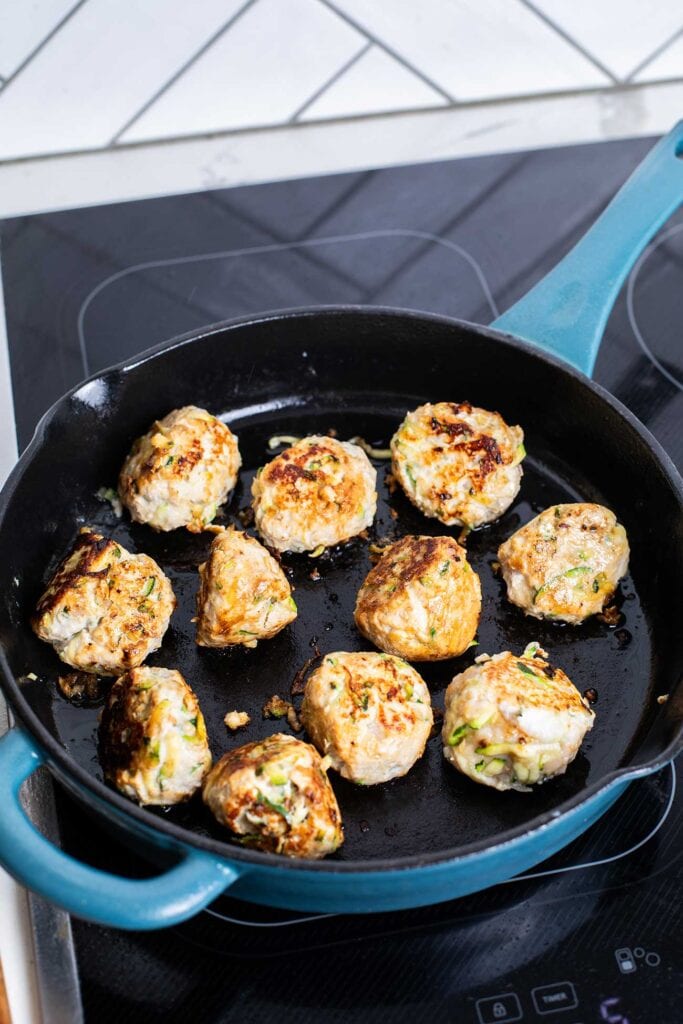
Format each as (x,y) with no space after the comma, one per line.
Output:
(370,713)
(153,742)
(458,463)
(566,562)
(104,610)
(244,596)
(421,601)
(318,492)
(275,792)
(178,473)
(91,556)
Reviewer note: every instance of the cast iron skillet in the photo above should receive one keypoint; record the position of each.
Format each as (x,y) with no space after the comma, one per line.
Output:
(433,834)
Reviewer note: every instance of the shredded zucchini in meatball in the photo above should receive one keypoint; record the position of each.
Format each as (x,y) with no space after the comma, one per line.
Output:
(421,601)
(105,609)
(275,794)
(180,471)
(511,722)
(458,463)
(315,494)
(244,595)
(566,563)
(153,738)
(369,713)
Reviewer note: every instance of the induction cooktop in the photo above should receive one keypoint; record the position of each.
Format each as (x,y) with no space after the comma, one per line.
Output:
(593,934)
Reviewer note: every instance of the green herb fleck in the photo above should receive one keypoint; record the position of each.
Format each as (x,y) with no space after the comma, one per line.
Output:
(578,570)
(458,735)
(534,675)
(278,808)
(525,669)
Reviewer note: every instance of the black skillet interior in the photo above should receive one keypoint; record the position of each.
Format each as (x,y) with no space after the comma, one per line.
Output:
(358,373)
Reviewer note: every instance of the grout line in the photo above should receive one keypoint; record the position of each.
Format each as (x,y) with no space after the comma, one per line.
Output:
(43,42)
(542,16)
(498,101)
(388,49)
(655,53)
(181,70)
(326,85)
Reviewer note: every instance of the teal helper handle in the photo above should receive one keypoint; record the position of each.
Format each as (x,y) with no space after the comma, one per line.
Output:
(566,312)
(95,895)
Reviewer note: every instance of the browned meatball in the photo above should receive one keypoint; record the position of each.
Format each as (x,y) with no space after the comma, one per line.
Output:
(105,610)
(180,471)
(458,463)
(566,563)
(370,713)
(276,794)
(152,737)
(421,601)
(244,595)
(315,494)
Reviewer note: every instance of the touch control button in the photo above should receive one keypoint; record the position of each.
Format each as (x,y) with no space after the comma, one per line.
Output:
(499,1009)
(553,998)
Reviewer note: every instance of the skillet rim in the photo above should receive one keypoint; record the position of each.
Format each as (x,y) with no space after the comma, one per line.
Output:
(182,837)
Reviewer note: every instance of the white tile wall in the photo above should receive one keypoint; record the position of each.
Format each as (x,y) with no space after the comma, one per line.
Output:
(374,84)
(101,67)
(85,75)
(668,64)
(24,24)
(261,72)
(621,33)
(477,48)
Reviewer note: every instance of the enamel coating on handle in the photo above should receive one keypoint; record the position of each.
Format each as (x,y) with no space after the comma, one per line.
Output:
(95,895)
(566,312)
(199,878)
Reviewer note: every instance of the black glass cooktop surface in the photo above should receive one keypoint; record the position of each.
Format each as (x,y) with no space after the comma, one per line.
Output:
(594,934)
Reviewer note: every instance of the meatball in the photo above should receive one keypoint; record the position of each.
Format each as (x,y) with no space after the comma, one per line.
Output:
(315,494)
(152,737)
(276,794)
(244,595)
(104,609)
(369,713)
(180,471)
(457,463)
(511,721)
(421,601)
(566,563)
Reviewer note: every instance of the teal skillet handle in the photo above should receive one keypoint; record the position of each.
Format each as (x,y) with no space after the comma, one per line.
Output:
(566,312)
(87,892)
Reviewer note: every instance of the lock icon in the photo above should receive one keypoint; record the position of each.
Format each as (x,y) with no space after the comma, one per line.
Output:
(503,1007)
